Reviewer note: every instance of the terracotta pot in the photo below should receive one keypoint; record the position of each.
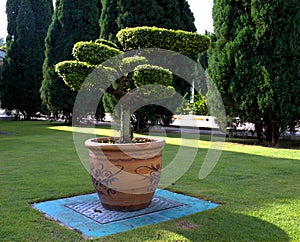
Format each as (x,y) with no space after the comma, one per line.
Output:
(125,176)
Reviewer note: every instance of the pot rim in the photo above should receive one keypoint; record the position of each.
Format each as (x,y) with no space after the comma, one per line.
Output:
(155,143)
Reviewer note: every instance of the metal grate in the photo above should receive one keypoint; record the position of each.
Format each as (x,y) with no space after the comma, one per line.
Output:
(95,211)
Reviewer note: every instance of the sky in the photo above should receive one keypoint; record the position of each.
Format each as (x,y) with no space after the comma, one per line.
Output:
(201,8)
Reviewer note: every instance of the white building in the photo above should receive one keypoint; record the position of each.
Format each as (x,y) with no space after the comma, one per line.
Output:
(2,56)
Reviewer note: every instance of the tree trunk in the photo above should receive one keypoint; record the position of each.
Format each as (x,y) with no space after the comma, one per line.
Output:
(275,132)
(259,131)
(125,136)
(272,132)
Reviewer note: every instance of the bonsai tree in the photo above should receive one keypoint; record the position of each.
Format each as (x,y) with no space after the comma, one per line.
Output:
(90,56)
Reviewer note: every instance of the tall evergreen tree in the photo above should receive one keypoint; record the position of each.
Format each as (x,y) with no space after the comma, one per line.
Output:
(12,8)
(186,16)
(118,14)
(171,14)
(255,61)
(108,24)
(133,13)
(22,71)
(73,21)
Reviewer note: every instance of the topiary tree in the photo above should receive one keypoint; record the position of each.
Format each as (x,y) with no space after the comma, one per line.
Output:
(170,14)
(89,57)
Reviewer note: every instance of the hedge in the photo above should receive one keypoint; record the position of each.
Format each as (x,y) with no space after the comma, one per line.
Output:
(152,37)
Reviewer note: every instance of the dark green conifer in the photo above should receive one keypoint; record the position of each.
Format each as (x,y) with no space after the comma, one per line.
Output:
(108,24)
(22,71)
(119,14)
(73,21)
(255,59)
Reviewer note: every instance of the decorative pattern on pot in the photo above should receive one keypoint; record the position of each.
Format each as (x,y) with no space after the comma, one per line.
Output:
(153,177)
(121,181)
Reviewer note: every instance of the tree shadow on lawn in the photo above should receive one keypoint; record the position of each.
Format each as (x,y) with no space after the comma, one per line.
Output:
(246,183)
(222,225)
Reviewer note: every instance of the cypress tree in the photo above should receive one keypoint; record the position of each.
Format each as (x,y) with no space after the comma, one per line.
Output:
(278,32)
(133,13)
(254,60)
(186,16)
(73,21)
(171,17)
(118,14)
(108,24)
(22,71)
(12,8)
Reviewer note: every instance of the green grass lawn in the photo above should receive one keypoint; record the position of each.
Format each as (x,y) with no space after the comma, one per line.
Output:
(258,187)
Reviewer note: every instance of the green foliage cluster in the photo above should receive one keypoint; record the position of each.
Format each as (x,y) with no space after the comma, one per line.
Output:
(106,42)
(73,21)
(197,107)
(170,14)
(152,37)
(90,53)
(73,72)
(93,52)
(130,63)
(28,22)
(87,57)
(254,60)
(200,105)
(148,74)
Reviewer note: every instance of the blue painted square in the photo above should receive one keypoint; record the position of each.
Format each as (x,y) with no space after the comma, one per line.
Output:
(60,210)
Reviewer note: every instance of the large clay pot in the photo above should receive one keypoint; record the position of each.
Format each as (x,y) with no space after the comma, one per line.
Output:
(125,176)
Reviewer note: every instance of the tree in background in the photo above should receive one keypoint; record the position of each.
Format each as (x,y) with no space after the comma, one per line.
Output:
(255,60)
(12,8)
(186,16)
(119,14)
(73,21)
(108,24)
(22,70)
